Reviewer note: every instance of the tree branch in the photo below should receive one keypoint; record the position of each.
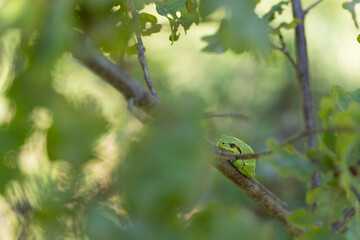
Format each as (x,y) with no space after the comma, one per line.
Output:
(259,194)
(114,75)
(141,49)
(312,6)
(303,74)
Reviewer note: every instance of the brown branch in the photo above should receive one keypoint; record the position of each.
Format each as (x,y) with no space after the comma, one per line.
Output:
(141,49)
(306,11)
(303,74)
(114,75)
(259,194)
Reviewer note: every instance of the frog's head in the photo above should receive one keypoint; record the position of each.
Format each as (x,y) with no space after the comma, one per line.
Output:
(229,143)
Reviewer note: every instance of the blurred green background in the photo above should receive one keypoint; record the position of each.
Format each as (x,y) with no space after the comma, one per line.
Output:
(76,165)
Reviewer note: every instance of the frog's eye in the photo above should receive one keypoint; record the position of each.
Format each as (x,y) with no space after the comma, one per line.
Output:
(223,143)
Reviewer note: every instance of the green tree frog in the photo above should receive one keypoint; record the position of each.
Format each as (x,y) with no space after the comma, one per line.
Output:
(237,146)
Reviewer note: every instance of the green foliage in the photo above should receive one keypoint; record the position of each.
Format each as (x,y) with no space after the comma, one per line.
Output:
(288,162)
(335,202)
(240,30)
(276,9)
(144,18)
(178,12)
(74,165)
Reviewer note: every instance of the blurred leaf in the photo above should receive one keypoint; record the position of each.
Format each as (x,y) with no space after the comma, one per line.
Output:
(314,195)
(350,6)
(162,171)
(277,8)
(286,26)
(288,163)
(21,14)
(343,98)
(241,31)
(214,43)
(301,218)
(132,50)
(103,222)
(110,28)
(191,6)
(226,222)
(327,110)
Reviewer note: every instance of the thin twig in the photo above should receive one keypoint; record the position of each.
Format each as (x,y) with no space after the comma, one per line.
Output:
(230,156)
(303,76)
(312,6)
(222,115)
(141,49)
(285,50)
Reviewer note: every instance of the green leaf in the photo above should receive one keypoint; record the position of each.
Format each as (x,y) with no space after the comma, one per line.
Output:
(313,195)
(350,6)
(191,5)
(144,18)
(181,11)
(301,218)
(286,26)
(277,8)
(174,25)
(343,98)
(132,50)
(358,38)
(288,163)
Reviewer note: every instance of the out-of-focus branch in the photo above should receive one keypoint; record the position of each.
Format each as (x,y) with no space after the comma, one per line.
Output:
(312,6)
(224,115)
(114,75)
(303,74)
(141,49)
(259,194)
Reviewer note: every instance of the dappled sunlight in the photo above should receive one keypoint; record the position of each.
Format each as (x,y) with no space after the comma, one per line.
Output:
(8,45)
(79,85)
(97,172)
(8,220)
(33,156)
